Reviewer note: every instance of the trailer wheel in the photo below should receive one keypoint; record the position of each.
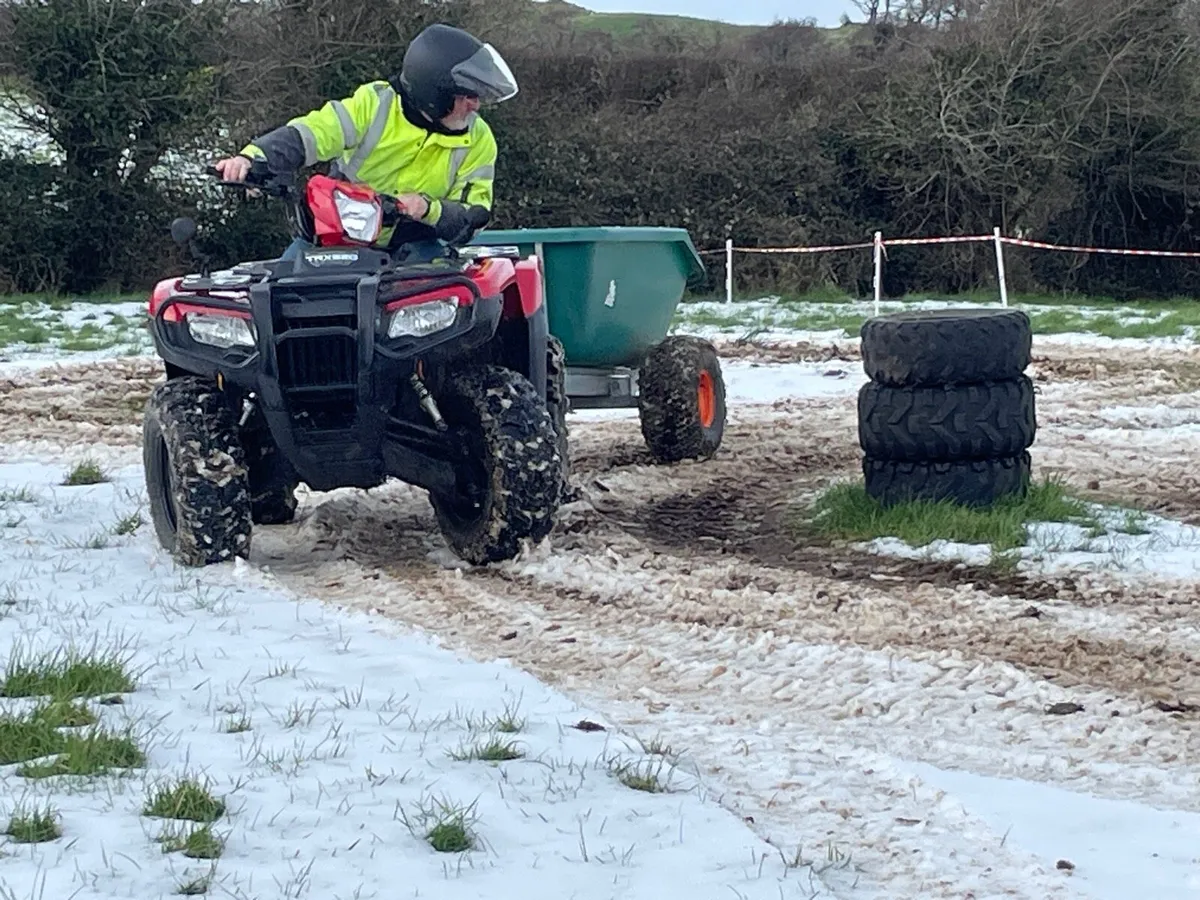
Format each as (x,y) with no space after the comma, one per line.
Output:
(681,399)
(196,474)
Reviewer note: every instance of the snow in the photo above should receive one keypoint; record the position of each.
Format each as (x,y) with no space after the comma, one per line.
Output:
(1166,549)
(354,717)
(353,721)
(1119,849)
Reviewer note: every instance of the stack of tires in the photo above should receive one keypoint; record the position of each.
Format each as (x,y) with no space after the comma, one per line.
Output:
(948,413)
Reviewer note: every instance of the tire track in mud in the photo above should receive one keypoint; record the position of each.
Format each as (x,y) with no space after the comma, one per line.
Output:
(673,601)
(722,703)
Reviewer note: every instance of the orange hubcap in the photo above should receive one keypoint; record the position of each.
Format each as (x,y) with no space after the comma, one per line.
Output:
(706,398)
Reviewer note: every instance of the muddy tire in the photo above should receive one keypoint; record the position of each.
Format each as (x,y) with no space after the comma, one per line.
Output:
(947,423)
(952,346)
(559,404)
(508,436)
(681,399)
(974,483)
(196,474)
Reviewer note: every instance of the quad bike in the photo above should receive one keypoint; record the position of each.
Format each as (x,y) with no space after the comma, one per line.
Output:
(347,365)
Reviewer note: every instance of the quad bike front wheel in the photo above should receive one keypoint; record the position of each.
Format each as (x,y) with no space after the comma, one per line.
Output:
(559,404)
(196,474)
(681,399)
(511,478)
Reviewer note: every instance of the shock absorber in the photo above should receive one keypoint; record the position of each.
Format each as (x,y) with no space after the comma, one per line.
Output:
(427,402)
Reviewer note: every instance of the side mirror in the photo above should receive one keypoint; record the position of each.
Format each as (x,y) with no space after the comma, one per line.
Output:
(183,230)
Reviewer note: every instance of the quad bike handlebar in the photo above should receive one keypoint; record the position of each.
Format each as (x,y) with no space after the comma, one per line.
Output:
(260,178)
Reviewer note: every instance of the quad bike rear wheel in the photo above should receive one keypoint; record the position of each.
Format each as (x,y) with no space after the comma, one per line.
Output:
(196,474)
(681,399)
(513,467)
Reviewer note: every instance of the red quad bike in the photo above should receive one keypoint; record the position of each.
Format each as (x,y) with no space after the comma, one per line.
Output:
(346,366)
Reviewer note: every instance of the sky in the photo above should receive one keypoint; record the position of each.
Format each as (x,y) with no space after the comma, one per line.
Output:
(743,12)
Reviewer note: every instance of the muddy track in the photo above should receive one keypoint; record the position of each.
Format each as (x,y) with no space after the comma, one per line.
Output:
(681,600)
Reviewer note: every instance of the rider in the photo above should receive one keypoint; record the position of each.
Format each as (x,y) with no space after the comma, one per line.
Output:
(417,136)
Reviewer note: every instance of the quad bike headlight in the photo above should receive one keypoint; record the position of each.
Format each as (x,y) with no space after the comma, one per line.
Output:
(221,331)
(421,319)
(360,220)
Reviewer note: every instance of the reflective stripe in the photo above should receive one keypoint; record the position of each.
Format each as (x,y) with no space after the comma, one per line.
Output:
(310,143)
(457,155)
(481,173)
(373,135)
(349,132)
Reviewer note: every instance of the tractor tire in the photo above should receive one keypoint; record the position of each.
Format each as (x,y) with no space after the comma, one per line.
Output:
(923,348)
(974,483)
(947,423)
(508,436)
(196,473)
(559,404)
(681,399)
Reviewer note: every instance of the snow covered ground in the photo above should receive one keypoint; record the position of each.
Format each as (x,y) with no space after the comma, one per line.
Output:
(330,736)
(327,732)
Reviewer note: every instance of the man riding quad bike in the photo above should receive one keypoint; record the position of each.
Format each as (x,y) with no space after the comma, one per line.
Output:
(375,346)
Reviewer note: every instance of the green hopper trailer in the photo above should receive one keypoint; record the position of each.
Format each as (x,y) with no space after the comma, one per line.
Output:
(611,294)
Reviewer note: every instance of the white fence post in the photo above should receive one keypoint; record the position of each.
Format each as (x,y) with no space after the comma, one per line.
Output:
(1000,266)
(878,269)
(729,270)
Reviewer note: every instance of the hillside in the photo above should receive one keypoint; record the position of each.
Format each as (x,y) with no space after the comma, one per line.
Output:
(563,16)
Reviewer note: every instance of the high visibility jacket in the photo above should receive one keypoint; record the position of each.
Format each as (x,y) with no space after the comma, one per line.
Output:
(371,141)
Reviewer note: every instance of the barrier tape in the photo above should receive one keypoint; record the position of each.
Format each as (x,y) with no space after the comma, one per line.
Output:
(960,239)
(1021,242)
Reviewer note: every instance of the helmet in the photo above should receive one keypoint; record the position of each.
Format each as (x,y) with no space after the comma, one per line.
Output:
(443,62)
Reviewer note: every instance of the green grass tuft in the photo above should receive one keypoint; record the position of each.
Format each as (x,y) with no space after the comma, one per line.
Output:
(26,736)
(451,836)
(199,843)
(846,512)
(34,826)
(86,472)
(65,675)
(494,750)
(95,752)
(185,799)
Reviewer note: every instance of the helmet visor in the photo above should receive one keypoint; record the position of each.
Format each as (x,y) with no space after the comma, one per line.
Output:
(485,75)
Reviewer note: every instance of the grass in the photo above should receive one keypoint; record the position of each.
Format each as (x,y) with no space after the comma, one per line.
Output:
(846,512)
(38,322)
(828,309)
(494,750)
(68,674)
(643,776)
(86,472)
(184,799)
(447,827)
(34,826)
(96,752)
(198,843)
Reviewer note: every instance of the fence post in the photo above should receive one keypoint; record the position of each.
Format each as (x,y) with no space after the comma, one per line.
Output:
(1000,266)
(729,270)
(878,269)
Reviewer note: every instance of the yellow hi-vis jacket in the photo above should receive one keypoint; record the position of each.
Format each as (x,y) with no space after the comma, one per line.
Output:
(372,141)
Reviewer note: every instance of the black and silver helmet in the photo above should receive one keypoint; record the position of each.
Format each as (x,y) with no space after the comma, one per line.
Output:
(443,62)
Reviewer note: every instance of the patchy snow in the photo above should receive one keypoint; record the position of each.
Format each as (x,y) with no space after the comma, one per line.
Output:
(772,320)
(352,725)
(1133,544)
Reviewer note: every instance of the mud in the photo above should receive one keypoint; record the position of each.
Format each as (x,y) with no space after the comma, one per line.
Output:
(686,602)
